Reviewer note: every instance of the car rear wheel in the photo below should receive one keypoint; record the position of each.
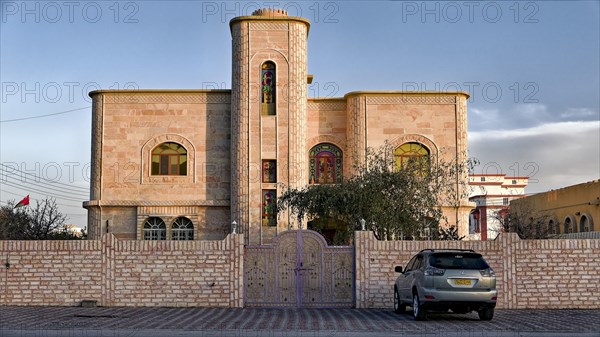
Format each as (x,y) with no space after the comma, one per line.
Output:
(419,313)
(398,306)
(486,314)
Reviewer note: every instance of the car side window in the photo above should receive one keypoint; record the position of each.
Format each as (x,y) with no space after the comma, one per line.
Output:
(410,264)
(418,263)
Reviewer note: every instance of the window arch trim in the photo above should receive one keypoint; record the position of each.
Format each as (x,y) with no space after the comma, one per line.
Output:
(416,138)
(146,158)
(589,220)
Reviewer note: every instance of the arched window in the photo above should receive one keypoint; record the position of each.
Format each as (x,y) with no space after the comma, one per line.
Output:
(155,229)
(585,224)
(268,88)
(169,159)
(407,151)
(569,225)
(553,227)
(325,164)
(183,229)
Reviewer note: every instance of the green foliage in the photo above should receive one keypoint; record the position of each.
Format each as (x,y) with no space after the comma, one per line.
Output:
(40,222)
(396,202)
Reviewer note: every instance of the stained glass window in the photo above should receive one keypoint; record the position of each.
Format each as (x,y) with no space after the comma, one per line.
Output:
(269,210)
(269,171)
(268,88)
(408,151)
(169,159)
(325,164)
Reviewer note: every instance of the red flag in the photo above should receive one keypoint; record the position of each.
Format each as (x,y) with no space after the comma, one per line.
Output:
(23,202)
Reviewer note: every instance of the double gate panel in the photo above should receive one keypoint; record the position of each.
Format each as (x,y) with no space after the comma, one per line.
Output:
(299,270)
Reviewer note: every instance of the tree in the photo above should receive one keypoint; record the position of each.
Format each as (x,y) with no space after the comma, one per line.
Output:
(42,222)
(13,221)
(396,200)
(449,234)
(527,223)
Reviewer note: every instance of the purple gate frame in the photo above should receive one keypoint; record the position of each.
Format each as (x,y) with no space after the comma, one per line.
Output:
(299,269)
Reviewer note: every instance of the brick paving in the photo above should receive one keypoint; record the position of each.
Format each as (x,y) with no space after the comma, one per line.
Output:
(374,320)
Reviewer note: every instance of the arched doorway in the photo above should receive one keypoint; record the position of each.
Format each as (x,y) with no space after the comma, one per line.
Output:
(335,232)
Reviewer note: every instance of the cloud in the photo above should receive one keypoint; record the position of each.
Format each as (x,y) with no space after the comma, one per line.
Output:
(565,129)
(578,113)
(521,115)
(554,155)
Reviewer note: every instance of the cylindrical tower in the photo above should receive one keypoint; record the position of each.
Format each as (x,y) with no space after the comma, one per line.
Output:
(93,205)
(268,118)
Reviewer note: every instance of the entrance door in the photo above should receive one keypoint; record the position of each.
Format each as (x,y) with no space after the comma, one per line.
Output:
(299,270)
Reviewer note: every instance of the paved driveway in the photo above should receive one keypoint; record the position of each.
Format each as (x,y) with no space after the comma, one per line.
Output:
(74,321)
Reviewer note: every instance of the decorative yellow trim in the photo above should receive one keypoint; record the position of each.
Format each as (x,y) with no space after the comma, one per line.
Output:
(157,91)
(405,93)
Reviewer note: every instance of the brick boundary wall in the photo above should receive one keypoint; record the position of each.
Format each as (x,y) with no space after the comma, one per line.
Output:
(531,274)
(123,272)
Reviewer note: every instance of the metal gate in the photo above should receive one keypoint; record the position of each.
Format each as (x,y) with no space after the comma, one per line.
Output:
(299,270)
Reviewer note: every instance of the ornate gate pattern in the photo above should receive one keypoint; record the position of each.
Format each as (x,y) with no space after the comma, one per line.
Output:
(299,270)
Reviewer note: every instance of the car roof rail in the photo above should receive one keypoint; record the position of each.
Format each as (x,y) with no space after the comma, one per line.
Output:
(447,249)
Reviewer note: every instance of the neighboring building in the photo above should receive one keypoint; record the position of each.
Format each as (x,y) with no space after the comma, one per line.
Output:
(492,194)
(572,209)
(184,164)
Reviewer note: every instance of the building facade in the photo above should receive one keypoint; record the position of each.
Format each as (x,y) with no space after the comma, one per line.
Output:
(492,194)
(567,210)
(185,164)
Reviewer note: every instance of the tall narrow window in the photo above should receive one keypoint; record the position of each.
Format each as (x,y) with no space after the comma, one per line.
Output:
(155,229)
(411,151)
(269,207)
(269,171)
(169,159)
(552,227)
(268,88)
(325,164)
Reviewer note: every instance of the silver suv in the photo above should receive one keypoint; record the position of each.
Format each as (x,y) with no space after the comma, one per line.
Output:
(448,279)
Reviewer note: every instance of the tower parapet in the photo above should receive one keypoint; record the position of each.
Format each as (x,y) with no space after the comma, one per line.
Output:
(270,12)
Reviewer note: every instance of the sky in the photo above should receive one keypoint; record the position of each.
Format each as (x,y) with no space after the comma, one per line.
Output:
(531,68)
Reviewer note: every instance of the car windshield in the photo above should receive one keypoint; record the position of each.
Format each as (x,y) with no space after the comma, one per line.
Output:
(458,260)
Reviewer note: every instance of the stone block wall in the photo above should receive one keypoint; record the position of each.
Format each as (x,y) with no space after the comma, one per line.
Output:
(50,272)
(531,274)
(123,273)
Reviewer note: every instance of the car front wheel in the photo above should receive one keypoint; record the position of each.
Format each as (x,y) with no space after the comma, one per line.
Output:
(398,306)
(486,314)
(419,313)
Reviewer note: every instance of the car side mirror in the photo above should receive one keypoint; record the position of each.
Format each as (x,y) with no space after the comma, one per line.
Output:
(398,269)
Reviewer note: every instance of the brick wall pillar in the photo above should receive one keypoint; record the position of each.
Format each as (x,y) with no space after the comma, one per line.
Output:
(362,248)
